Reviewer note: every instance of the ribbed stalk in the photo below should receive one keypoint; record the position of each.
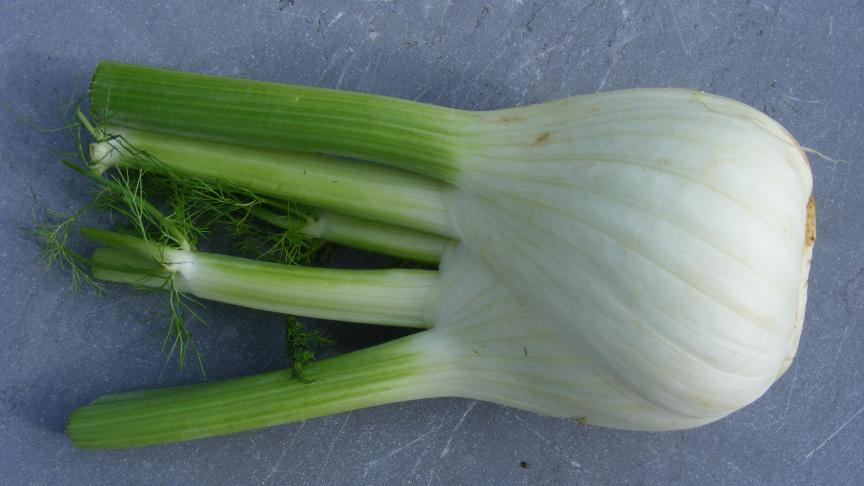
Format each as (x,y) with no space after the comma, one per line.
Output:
(419,137)
(396,371)
(364,190)
(368,235)
(397,297)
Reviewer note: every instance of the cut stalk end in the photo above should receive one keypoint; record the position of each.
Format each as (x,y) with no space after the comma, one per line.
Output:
(104,156)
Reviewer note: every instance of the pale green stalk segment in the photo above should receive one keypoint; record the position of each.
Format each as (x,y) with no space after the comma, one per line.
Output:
(123,266)
(419,137)
(136,247)
(364,190)
(395,371)
(387,297)
(396,297)
(369,235)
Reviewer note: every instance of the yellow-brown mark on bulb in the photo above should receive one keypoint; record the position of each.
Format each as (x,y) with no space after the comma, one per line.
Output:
(511,119)
(810,225)
(541,138)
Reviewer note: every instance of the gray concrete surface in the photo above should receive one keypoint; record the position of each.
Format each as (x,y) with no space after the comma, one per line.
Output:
(800,61)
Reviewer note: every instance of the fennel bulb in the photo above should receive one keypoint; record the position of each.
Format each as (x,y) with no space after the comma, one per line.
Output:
(637,259)
(664,232)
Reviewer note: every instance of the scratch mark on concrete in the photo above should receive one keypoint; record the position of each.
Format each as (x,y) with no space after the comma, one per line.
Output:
(345,68)
(333,59)
(424,91)
(680,36)
(446,449)
(543,54)
(431,476)
(616,55)
(538,434)
(843,426)
(459,84)
(349,62)
(788,400)
(426,449)
(275,467)
(852,293)
(794,98)
(336,17)
(842,340)
(375,462)
(602,83)
(335,439)
(493,61)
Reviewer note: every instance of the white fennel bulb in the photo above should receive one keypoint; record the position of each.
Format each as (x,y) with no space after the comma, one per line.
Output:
(664,233)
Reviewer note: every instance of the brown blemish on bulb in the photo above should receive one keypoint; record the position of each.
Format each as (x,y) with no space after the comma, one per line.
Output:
(810,225)
(798,323)
(510,119)
(541,138)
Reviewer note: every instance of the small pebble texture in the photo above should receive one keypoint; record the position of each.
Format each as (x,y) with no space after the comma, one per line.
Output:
(799,61)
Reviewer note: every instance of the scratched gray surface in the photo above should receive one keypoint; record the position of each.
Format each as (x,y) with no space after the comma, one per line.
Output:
(800,61)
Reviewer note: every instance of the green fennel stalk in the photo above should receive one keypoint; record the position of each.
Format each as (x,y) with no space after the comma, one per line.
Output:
(367,191)
(279,116)
(374,376)
(388,297)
